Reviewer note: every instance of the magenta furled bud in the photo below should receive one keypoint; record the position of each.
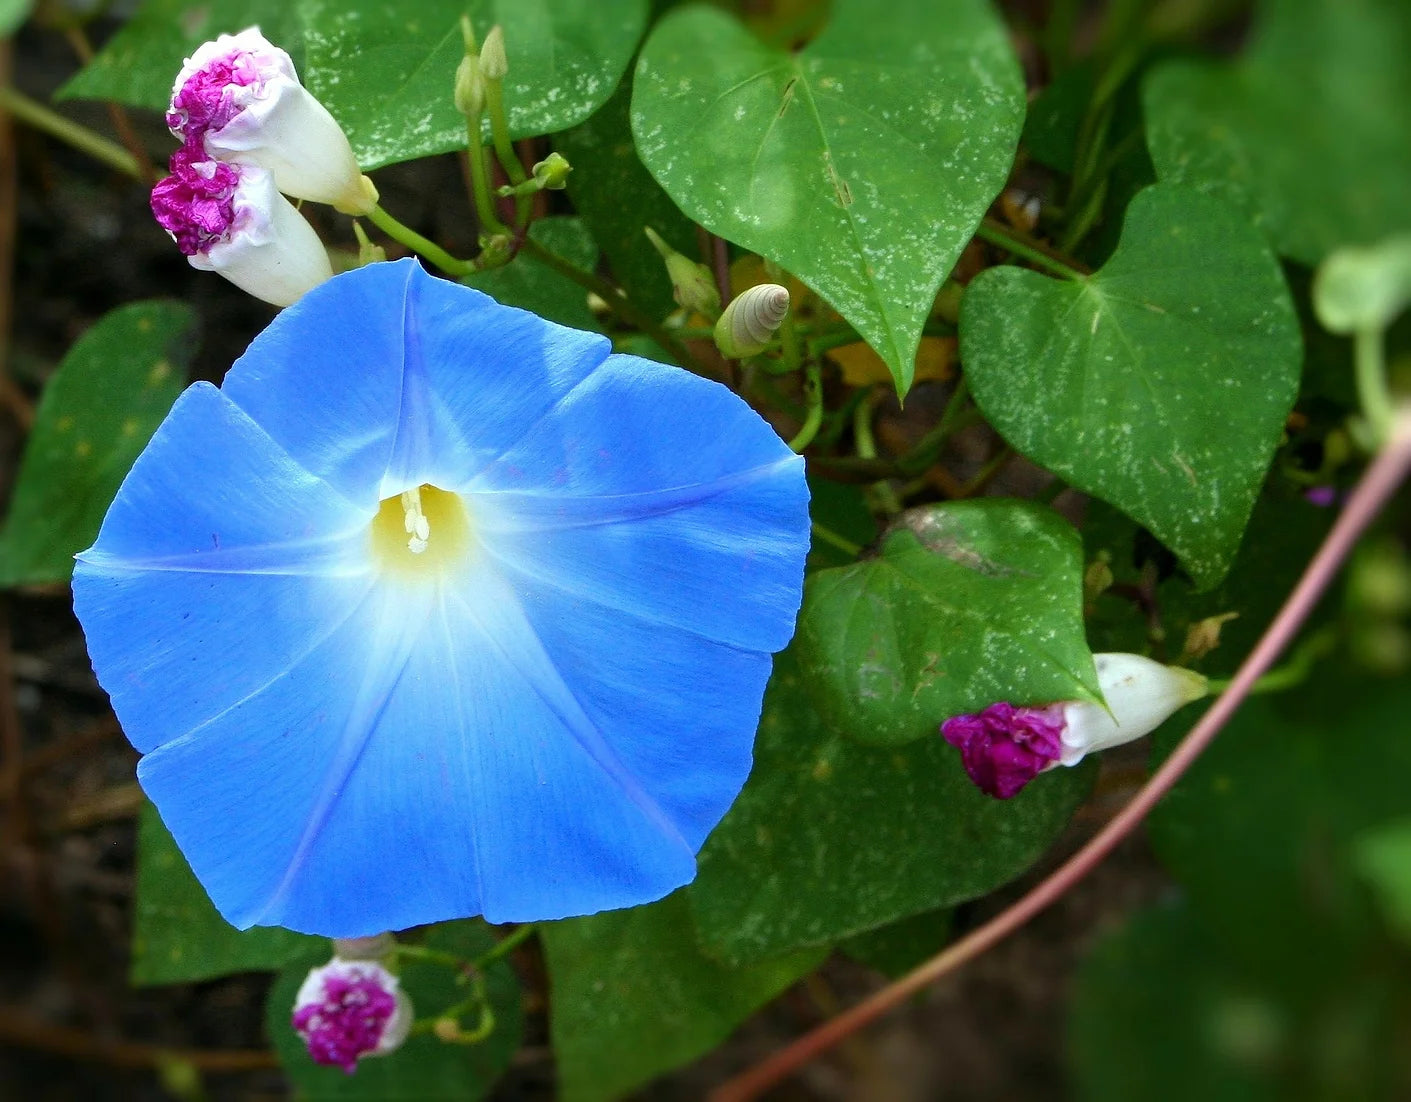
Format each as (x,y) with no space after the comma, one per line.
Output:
(228,218)
(196,203)
(1003,748)
(349,1009)
(239,99)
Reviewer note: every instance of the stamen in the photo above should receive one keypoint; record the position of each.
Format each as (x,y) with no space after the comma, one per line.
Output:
(417,526)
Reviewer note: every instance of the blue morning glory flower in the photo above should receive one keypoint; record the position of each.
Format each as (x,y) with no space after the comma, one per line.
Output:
(436,609)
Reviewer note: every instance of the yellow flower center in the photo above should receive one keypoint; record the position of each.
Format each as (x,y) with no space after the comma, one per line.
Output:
(423,532)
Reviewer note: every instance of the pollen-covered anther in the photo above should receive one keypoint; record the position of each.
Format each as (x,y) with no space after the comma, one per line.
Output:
(417,526)
(402,531)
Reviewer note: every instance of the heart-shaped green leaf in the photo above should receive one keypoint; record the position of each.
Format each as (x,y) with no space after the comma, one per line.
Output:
(1159,384)
(970,603)
(1307,132)
(177,934)
(386,71)
(138,64)
(634,997)
(99,410)
(862,163)
(830,839)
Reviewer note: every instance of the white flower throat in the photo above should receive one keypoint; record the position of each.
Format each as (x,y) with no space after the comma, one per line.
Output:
(421,532)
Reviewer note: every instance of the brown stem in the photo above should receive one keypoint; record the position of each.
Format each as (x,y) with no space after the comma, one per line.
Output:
(17,1028)
(122,125)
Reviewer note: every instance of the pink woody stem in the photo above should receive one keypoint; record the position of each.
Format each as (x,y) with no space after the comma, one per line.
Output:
(1380,480)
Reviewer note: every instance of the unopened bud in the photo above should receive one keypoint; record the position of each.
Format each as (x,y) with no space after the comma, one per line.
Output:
(751,320)
(493,61)
(692,285)
(470,87)
(368,253)
(1203,636)
(552,172)
(1097,579)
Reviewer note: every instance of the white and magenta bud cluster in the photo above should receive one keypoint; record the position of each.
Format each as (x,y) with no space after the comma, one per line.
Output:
(1005,746)
(250,131)
(348,1009)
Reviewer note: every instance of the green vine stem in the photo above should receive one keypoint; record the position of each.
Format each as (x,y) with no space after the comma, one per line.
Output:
(1013,242)
(423,246)
(1372,392)
(1387,472)
(842,543)
(507,944)
(813,394)
(620,305)
(866,446)
(69,132)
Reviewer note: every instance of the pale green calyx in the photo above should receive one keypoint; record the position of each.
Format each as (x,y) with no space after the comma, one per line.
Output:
(691,284)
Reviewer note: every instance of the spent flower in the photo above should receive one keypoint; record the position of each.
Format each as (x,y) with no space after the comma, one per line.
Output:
(230,218)
(238,98)
(436,609)
(347,1009)
(1004,747)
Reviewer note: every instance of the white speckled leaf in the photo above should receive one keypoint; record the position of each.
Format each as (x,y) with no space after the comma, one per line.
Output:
(138,64)
(862,163)
(1159,384)
(970,603)
(386,71)
(1309,132)
(830,839)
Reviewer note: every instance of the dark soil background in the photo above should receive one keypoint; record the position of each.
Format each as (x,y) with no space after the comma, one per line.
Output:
(77,240)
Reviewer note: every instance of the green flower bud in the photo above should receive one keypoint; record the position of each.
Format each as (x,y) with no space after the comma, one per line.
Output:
(493,61)
(692,284)
(552,172)
(470,87)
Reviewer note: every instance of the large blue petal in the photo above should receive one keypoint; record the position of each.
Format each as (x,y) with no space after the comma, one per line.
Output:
(659,494)
(430,760)
(219,564)
(387,377)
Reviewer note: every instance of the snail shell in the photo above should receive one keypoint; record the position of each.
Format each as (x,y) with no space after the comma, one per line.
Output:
(749,322)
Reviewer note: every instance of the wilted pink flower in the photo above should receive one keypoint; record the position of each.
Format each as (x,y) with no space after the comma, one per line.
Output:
(1004,747)
(239,99)
(348,1009)
(229,218)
